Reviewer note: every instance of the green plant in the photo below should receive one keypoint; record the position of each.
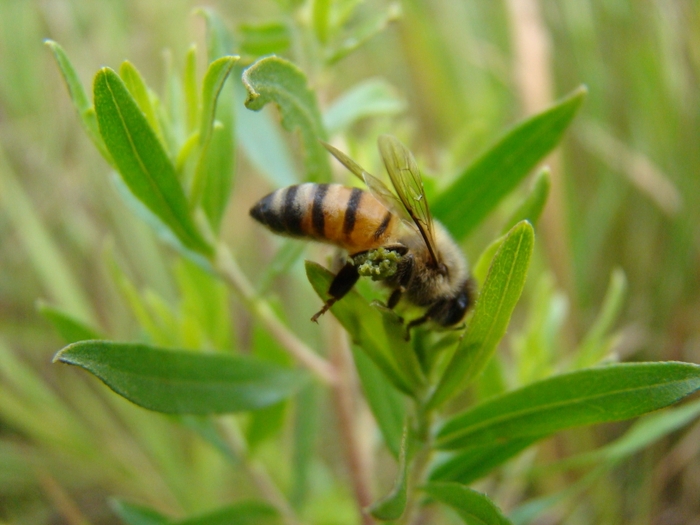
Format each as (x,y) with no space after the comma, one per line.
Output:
(175,167)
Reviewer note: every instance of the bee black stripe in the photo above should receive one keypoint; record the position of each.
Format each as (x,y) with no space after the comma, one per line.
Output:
(267,212)
(317,219)
(291,212)
(383,226)
(351,210)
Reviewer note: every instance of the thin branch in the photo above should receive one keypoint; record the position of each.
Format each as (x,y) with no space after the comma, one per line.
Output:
(345,396)
(230,271)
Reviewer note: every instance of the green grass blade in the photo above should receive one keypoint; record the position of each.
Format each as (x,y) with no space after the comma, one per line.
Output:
(189,85)
(586,397)
(183,382)
(468,200)
(80,99)
(473,507)
(141,159)
(492,312)
(276,80)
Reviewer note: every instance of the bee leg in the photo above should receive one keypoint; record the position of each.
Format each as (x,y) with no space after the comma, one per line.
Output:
(395,297)
(432,312)
(342,283)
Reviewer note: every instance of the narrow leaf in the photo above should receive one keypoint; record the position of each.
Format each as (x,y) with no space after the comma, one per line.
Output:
(373,97)
(214,79)
(596,344)
(245,513)
(141,159)
(136,85)
(267,38)
(80,98)
(492,312)
(70,328)
(386,403)
(213,175)
(473,507)
(587,397)
(183,382)
(476,462)
(189,83)
(466,202)
(276,80)
(531,207)
(132,514)
(392,506)
(364,324)
(220,42)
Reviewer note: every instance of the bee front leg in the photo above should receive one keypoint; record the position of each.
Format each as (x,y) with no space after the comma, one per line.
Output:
(342,283)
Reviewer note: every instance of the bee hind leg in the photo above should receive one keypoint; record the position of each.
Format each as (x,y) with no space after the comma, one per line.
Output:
(342,283)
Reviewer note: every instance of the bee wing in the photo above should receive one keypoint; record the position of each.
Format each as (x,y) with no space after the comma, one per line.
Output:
(375,186)
(405,176)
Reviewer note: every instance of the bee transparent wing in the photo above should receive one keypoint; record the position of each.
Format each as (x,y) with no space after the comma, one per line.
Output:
(375,186)
(405,176)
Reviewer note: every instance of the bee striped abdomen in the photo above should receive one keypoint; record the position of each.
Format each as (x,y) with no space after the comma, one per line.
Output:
(347,217)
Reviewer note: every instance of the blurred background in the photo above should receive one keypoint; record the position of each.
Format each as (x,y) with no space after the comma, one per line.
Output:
(625,194)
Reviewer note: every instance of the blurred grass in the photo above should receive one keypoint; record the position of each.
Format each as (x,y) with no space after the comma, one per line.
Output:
(454,64)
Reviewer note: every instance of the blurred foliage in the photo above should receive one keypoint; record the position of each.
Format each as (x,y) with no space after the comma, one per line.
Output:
(444,77)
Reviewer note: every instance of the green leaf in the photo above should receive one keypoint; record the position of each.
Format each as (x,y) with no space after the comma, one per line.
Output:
(364,33)
(474,463)
(473,507)
(365,324)
(132,514)
(466,202)
(492,312)
(219,39)
(373,97)
(245,513)
(80,98)
(267,38)
(306,433)
(68,326)
(276,80)
(597,342)
(214,79)
(531,208)
(392,506)
(183,382)
(213,175)
(320,13)
(643,433)
(136,85)
(386,403)
(189,83)
(141,159)
(586,397)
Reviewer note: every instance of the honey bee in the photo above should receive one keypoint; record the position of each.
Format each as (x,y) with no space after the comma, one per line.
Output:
(390,236)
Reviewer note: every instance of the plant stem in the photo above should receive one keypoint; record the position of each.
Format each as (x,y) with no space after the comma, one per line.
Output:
(345,395)
(230,271)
